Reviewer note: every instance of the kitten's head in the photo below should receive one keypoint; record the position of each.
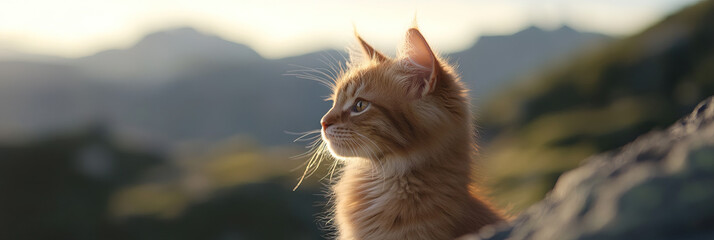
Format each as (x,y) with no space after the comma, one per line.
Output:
(393,107)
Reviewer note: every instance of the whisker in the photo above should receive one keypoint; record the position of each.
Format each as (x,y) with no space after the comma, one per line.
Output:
(333,168)
(331,71)
(311,149)
(307,76)
(313,163)
(304,135)
(308,71)
(318,160)
(376,159)
(335,65)
(334,69)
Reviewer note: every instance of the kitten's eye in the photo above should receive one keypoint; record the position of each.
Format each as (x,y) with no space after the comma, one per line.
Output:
(359,106)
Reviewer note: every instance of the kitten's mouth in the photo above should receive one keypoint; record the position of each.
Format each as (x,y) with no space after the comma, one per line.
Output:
(339,147)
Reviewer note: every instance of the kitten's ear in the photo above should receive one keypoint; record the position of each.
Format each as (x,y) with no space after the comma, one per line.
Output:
(369,51)
(420,57)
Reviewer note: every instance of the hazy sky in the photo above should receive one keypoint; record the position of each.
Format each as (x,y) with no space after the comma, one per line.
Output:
(74,28)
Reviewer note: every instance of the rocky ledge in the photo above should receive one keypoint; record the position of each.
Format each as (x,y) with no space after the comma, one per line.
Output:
(661,186)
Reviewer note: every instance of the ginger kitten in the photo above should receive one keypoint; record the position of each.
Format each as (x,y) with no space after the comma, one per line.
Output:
(402,129)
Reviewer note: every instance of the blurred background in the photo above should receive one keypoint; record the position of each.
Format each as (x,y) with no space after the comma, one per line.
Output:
(173,119)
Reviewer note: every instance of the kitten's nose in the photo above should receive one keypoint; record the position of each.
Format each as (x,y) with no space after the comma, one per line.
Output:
(326,122)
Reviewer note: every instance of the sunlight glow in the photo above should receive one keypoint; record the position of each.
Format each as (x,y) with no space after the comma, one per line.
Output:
(75,28)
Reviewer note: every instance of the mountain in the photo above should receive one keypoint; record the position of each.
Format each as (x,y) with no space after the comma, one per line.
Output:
(163,55)
(597,102)
(12,54)
(184,85)
(496,62)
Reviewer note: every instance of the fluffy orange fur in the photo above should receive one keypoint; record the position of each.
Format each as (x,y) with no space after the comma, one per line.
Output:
(403,130)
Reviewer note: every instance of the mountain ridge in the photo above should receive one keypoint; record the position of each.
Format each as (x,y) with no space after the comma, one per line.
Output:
(183,84)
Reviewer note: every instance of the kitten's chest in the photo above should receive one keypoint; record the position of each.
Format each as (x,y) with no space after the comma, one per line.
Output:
(376,192)
(375,208)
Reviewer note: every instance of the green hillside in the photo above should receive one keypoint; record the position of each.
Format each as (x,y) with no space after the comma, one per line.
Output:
(597,102)
(86,184)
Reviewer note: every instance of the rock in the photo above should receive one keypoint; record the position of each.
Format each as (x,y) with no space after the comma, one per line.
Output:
(661,186)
